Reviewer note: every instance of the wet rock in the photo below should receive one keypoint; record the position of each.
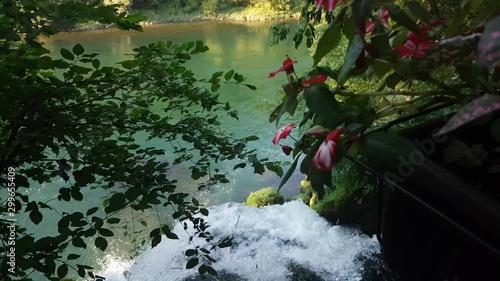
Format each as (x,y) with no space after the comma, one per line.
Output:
(222,276)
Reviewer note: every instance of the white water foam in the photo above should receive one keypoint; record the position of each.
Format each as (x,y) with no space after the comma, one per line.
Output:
(266,242)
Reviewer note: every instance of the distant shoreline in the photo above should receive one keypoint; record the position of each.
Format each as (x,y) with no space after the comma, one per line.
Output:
(153,19)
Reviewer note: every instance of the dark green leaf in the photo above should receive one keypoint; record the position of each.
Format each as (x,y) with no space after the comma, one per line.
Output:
(289,172)
(79,243)
(204,211)
(353,51)
(417,11)
(192,263)
(229,75)
(239,166)
(101,243)
(361,9)
(251,87)
(105,232)
(328,41)
(78,49)
(191,252)
(35,216)
(92,211)
(62,270)
(65,53)
(171,235)
(399,16)
(385,151)
(73,256)
(116,202)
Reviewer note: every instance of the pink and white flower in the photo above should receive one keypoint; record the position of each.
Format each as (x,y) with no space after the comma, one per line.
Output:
(283,133)
(323,159)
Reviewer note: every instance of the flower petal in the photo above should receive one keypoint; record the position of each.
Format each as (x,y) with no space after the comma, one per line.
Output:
(323,159)
(283,133)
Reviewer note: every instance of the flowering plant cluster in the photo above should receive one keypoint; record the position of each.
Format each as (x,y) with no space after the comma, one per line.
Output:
(424,55)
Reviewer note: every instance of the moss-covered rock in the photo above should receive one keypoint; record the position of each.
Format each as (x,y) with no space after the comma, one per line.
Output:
(263,197)
(307,193)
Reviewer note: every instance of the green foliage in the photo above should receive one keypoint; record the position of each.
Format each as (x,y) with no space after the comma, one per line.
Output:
(263,197)
(80,124)
(398,57)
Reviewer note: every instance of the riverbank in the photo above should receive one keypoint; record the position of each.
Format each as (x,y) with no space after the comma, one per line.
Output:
(235,14)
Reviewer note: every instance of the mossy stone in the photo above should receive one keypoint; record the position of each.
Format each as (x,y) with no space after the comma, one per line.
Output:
(263,197)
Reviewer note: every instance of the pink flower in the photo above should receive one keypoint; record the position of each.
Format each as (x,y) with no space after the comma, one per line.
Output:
(335,134)
(417,45)
(286,149)
(316,79)
(287,67)
(323,159)
(383,15)
(283,133)
(328,5)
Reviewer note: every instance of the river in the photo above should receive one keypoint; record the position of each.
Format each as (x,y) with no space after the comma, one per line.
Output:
(272,243)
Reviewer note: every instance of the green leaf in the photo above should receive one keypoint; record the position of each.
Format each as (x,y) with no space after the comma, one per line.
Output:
(78,49)
(101,243)
(385,151)
(105,232)
(191,252)
(361,9)
(457,21)
(321,101)
(96,63)
(156,240)
(271,166)
(229,75)
(84,176)
(65,53)
(171,235)
(417,11)
(381,67)
(399,16)
(489,44)
(116,202)
(239,166)
(192,263)
(251,87)
(204,212)
(353,51)
(113,220)
(328,41)
(289,172)
(35,216)
(92,211)
(79,243)
(62,270)
(73,256)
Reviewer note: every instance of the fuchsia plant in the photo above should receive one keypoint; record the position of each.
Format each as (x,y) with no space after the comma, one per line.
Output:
(403,47)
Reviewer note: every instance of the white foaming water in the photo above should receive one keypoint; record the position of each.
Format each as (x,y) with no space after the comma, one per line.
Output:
(267,241)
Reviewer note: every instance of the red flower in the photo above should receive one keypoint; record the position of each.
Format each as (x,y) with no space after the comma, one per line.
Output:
(283,133)
(316,79)
(323,159)
(328,5)
(417,45)
(286,149)
(383,15)
(287,67)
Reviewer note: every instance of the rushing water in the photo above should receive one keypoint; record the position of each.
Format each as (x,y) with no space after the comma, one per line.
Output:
(272,243)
